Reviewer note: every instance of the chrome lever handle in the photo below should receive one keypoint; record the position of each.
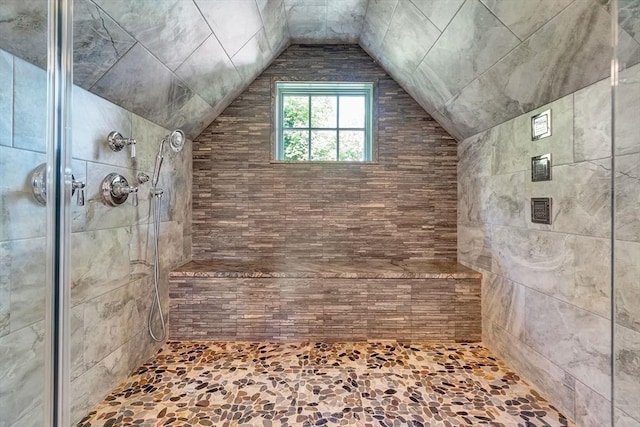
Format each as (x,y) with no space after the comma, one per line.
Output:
(117,142)
(78,185)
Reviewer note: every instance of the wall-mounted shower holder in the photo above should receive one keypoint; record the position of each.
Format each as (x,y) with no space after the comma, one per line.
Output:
(39,186)
(116,190)
(117,142)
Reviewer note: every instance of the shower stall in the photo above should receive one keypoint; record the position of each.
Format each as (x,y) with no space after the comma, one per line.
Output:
(83,283)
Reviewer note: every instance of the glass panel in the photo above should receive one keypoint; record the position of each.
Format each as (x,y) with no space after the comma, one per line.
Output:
(352,146)
(296,145)
(323,145)
(352,111)
(323,112)
(295,111)
(626,214)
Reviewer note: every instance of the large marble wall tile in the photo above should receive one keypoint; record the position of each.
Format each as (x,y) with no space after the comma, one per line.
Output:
(306,20)
(628,17)
(210,73)
(592,122)
(170,29)
(503,303)
(409,38)
(28,282)
(472,193)
(93,385)
(110,320)
(90,279)
(559,144)
(626,110)
(474,245)
(548,377)
(5,288)
(29,106)
(253,57)
(440,12)
(22,376)
(23,30)
(344,19)
(472,42)
(234,22)
(376,23)
(99,214)
(568,54)
(525,17)
(143,85)
(568,267)
(627,371)
(474,155)
(93,119)
(6,98)
(149,136)
(592,409)
(22,217)
(274,19)
(504,202)
(627,181)
(627,291)
(194,116)
(508,152)
(76,322)
(576,340)
(581,194)
(98,42)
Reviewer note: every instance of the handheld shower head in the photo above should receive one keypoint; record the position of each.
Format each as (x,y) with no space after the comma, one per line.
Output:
(176,141)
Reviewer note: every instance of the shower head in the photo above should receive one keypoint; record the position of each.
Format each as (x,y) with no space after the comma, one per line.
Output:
(176,140)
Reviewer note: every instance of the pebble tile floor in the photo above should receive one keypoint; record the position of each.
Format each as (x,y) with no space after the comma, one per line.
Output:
(323,384)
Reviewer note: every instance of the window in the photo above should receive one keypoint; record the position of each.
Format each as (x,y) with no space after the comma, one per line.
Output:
(324,122)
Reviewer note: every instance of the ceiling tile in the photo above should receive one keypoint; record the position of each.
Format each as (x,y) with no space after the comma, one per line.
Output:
(170,29)
(524,17)
(192,117)
(569,53)
(440,12)
(98,42)
(409,38)
(306,20)
(209,72)
(234,22)
(253,57)
(376,23)
(143,85)
(23,30)
(344,19)
(474,41)
(274,19)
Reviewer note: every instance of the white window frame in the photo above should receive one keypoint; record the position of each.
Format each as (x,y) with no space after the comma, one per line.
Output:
(319,89)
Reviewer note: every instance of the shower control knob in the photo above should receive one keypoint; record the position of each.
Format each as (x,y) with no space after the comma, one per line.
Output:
(116,190)
(117,142)
(79,186)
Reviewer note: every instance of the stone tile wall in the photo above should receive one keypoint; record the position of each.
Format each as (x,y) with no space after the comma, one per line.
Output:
(546,288)
(401,207)
(112,251)
(307,309)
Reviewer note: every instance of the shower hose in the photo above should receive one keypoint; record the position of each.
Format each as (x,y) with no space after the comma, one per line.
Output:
(155,303)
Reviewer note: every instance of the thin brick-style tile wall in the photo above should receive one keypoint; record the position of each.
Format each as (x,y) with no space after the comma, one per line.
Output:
(402,207)
(321,309)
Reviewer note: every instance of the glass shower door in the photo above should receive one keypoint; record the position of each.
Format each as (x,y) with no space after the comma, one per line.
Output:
(626,214)
(34,76)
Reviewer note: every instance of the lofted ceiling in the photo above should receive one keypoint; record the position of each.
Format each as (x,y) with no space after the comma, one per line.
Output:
(471,64)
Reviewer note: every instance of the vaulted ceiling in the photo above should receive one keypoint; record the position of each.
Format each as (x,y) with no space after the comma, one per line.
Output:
(471,64)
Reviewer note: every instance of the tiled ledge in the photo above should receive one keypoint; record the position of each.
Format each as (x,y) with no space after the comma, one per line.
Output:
(325,269)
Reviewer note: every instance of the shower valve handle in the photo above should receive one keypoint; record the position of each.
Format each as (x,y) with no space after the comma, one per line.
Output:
(117,142)
(79,186)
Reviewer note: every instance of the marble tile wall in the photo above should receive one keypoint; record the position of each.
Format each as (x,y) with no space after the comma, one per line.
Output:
(546,288)
(112,251)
